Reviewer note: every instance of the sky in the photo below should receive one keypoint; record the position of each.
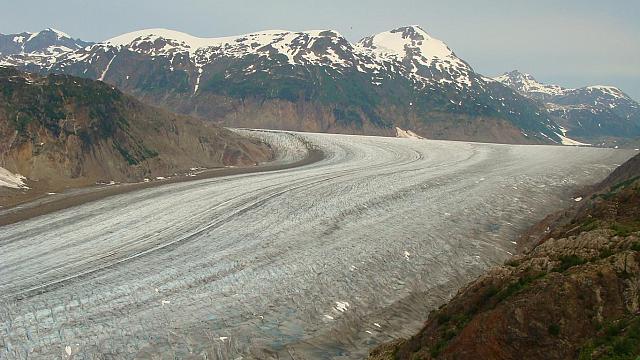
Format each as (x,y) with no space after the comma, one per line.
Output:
(572,43)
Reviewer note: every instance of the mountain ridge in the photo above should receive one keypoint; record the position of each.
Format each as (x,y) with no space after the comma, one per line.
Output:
(582,111)
(313,81)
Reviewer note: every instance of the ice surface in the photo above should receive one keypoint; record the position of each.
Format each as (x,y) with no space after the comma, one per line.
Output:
(265,259)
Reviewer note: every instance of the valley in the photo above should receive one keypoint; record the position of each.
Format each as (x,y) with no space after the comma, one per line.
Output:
(324,260)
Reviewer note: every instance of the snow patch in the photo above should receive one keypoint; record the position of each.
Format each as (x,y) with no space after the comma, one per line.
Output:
(342,306)
(527,84)
(11,180)
(407,134)
(59,34)
(567,141)
(570,142)
(101,78)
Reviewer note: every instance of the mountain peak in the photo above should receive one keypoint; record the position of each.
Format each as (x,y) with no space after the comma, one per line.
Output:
(517,75)
(610,90)
(199,42)
(412,31)
(58,33)
(426,58)
(408,40)
(527,84)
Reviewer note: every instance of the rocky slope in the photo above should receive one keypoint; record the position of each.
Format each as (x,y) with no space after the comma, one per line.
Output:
(576,294)
(60,131)
(314,81)
(594,114)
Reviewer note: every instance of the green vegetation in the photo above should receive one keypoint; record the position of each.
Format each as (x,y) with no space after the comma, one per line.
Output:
(437,349)
(590,224)
(617,188)
(52,100)
(512,263)
(350,94)
(443,318)
(554,329)
(625,229)
(517,286)
(141,153)
(605,253)
(21,122)
(569,261)
(624,184)
(620,340)
(131,160)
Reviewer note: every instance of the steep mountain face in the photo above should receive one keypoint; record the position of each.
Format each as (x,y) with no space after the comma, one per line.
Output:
(61,131)
(574,295)
(315,81)
(592,113)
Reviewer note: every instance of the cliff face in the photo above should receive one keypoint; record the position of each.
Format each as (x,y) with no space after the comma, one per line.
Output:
(576,294)
(63,131)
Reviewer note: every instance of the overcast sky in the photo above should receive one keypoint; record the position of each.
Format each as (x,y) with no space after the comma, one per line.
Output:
(570,42)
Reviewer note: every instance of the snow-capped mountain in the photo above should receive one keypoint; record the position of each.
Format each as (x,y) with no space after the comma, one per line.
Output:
(527,85)
(313,80)
(426,59)
(40,48)
(589,113)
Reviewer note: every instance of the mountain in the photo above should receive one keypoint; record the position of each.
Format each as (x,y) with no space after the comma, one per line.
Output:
(39,48)
(61,131)
(592,113)
(314,81)
(574,295)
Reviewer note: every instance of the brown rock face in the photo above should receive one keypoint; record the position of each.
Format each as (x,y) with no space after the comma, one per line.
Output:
(65,132)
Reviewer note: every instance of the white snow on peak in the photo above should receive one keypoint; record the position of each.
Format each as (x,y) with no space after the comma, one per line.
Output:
(152,34)
(296,46)
(19,39)
(400,41)
(194,42)
(428,59)
(610,90)
(527,84)
(59,33)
